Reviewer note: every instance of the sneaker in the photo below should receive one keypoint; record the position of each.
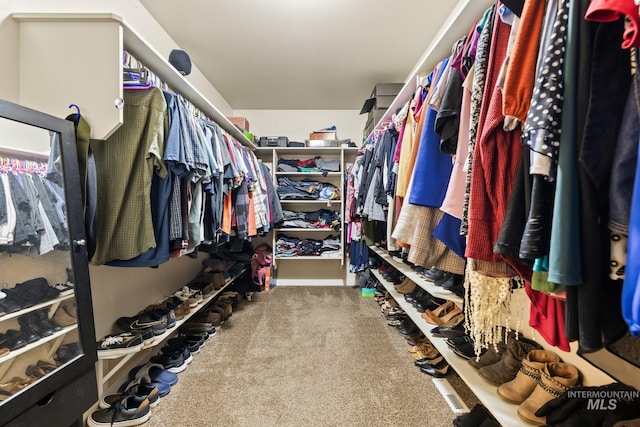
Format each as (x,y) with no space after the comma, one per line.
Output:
(143,321)
(153,372)
(119,344)
(173,362)
(64,288)
(125,413)
(140,390)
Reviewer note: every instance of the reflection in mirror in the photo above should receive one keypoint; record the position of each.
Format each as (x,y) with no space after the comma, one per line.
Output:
(38,328)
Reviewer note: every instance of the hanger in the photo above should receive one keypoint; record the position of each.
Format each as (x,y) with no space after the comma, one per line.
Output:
(77,116)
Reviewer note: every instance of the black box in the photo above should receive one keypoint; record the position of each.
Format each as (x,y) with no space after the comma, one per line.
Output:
(273,141)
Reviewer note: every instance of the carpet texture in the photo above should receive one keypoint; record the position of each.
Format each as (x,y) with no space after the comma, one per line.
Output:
(306,356)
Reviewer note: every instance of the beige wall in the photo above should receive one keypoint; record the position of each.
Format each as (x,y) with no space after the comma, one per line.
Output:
(297,124)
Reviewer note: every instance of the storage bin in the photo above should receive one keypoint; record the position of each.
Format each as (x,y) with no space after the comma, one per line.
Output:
(273,141)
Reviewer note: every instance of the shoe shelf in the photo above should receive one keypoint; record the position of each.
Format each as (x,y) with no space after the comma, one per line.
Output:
(308,174)
(504,412)
(15,353)
(416,277)
(324,230)
(310,202)
(311,257)
(104,375)
(53,303)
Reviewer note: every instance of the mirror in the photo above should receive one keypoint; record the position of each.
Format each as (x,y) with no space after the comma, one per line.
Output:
(39,331)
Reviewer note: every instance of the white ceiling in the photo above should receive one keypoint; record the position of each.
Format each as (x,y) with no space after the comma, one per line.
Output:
(301,54)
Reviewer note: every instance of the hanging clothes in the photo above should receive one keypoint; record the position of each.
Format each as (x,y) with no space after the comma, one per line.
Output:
(124,219)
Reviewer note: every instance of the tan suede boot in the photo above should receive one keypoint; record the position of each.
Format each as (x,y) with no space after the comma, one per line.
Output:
(518,389)
(555,379)
(406,287)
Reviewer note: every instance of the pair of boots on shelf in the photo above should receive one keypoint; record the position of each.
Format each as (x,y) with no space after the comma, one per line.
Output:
(426,356)
(526,375)
(216,313)
(445,279)
(422,300)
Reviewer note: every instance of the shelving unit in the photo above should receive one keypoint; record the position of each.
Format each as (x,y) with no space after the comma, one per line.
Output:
(104,374)
(54,303)
(420,280)
(504,412)
(15,353)
(293,269)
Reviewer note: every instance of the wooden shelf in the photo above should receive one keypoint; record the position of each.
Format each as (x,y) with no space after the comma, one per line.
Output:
(505,413)
(420,280)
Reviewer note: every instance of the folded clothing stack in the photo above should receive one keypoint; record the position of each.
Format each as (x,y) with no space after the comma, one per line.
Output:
(292,246)
(322,218)
(317,164)
(289,189)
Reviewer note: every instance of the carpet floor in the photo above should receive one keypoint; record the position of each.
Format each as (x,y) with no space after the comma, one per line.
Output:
(306,356)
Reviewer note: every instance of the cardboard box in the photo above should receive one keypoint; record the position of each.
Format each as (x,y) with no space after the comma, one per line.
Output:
(323,135)
(240,122)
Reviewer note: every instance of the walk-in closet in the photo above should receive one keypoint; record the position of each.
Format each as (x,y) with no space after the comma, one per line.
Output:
(304,213)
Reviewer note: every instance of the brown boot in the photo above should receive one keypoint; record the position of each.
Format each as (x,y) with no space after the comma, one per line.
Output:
(506,369)
(517,390)
(406,287)
(490,356)
(555,379)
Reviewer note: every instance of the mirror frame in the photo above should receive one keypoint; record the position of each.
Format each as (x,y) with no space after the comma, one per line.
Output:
(78,261)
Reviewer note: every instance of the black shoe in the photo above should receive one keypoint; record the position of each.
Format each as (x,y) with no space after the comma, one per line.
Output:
(7,306)
(140,390)
(452,281)
(67,352)
(30,324)
(171,362)
(424,362)
(433,274)
(426,304)
(418,294)
(443,279)
(17,336)
(456,331)
(167,314)
(127,412)
(42,318)
(121,344)
(37,290)
(190,342)
(178,350)
(463,346)
(438,370)
(12,342)
(408,327)
(137,324)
